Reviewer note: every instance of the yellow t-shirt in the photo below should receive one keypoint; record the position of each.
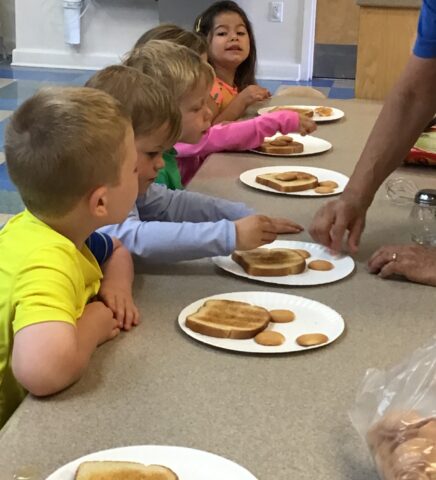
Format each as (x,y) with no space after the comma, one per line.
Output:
(43,277)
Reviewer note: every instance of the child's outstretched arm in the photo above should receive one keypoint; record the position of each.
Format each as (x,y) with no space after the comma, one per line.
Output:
(49,356)
(237,107)
(246,134)
(116,286)
(257,230)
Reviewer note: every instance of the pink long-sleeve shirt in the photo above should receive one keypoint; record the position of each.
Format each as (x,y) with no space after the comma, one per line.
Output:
(241,135)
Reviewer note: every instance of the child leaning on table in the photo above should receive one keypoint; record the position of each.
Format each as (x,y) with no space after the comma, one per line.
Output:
(174,225)
(71,154)
(168,64)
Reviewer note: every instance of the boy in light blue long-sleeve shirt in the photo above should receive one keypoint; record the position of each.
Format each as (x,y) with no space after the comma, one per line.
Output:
(166,225)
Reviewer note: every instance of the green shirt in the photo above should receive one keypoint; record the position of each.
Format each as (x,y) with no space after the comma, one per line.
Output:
(170,174)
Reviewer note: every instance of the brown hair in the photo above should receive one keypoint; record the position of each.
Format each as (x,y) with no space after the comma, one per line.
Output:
(61,144)
(149,104)
(204,23)
(176,67)
(174,33)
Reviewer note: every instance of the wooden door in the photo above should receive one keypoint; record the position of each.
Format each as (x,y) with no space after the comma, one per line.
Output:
(336,34)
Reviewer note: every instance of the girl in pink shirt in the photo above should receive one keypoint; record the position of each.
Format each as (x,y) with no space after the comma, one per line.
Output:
(241,135)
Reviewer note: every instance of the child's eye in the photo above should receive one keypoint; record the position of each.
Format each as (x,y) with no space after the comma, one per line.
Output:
(152,154)
(241,34)
(221,34)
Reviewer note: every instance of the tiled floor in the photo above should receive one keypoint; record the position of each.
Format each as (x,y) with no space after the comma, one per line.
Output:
(19,83)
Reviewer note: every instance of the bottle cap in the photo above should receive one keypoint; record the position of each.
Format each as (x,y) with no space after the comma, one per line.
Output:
(425,197)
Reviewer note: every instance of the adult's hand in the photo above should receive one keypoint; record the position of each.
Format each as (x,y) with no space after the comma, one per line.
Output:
(415,262)
(334,219)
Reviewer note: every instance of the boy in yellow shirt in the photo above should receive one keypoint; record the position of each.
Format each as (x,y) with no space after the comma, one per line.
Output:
(71,154)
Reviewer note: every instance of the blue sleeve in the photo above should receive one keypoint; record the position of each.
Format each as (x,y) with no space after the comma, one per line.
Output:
(170,242)
(163,204)
(425,46)
(101,246)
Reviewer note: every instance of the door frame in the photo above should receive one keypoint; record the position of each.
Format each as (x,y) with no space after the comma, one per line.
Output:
(308,40)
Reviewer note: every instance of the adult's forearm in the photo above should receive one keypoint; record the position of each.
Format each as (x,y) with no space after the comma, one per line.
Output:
(407,110)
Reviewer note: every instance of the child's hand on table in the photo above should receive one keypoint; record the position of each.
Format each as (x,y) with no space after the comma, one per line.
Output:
(306,125)
(253,94)
(100,319)
(257,230)
(120,302)
(284,225)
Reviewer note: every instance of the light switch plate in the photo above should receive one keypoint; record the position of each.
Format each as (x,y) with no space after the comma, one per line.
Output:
(276,11)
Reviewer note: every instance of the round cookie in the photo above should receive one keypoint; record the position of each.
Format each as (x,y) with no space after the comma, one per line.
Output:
(279,143)
(282,316)
(324,190)
(320,265)
(269,338)
(303,253)
(328,183)
(312,339)
(286,176)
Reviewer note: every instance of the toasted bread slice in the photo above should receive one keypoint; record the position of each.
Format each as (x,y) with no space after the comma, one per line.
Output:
(279,147)
(270,262)
(307,112)
(288,181)
(108,470)
(228,319)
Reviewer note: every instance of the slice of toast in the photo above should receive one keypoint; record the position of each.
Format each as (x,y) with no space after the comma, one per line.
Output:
(270,262)
(288,181)
(109,470)
(228,319)
(282,145)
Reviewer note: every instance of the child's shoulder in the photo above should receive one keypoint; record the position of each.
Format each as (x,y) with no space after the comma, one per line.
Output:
(26,240)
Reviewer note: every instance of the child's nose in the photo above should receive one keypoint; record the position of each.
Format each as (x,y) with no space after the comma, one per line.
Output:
(208,114)
(159,163)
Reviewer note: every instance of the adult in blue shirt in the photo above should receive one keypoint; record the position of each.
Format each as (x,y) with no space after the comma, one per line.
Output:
(412,98)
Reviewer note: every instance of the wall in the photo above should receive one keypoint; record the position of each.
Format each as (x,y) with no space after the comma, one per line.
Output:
(109,29)
(7,24)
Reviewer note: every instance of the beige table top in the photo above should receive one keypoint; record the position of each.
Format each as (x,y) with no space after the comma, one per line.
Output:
(283,417)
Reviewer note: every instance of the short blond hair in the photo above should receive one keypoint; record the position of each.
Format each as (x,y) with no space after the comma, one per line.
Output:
(61,144)
(175,34)
(149,104)
(177,67)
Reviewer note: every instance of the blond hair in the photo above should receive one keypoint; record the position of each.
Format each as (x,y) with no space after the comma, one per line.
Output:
(177,67)
(61,144)
(149,104)
(174,33)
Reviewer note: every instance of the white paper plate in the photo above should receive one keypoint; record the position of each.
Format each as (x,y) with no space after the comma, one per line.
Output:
(249,178)
(336,115)
(344,265)
(310,317)
(187,463)
(312,145)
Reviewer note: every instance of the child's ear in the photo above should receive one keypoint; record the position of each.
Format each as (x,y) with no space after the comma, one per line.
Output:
(98,202)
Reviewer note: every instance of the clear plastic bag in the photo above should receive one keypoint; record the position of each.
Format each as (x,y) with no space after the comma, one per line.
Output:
(395,413)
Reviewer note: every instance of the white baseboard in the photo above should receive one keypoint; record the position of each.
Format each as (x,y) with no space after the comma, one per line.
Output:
(60,59)
(278,70)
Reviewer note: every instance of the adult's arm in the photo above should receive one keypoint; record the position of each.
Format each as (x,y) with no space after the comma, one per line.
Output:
(407,110)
